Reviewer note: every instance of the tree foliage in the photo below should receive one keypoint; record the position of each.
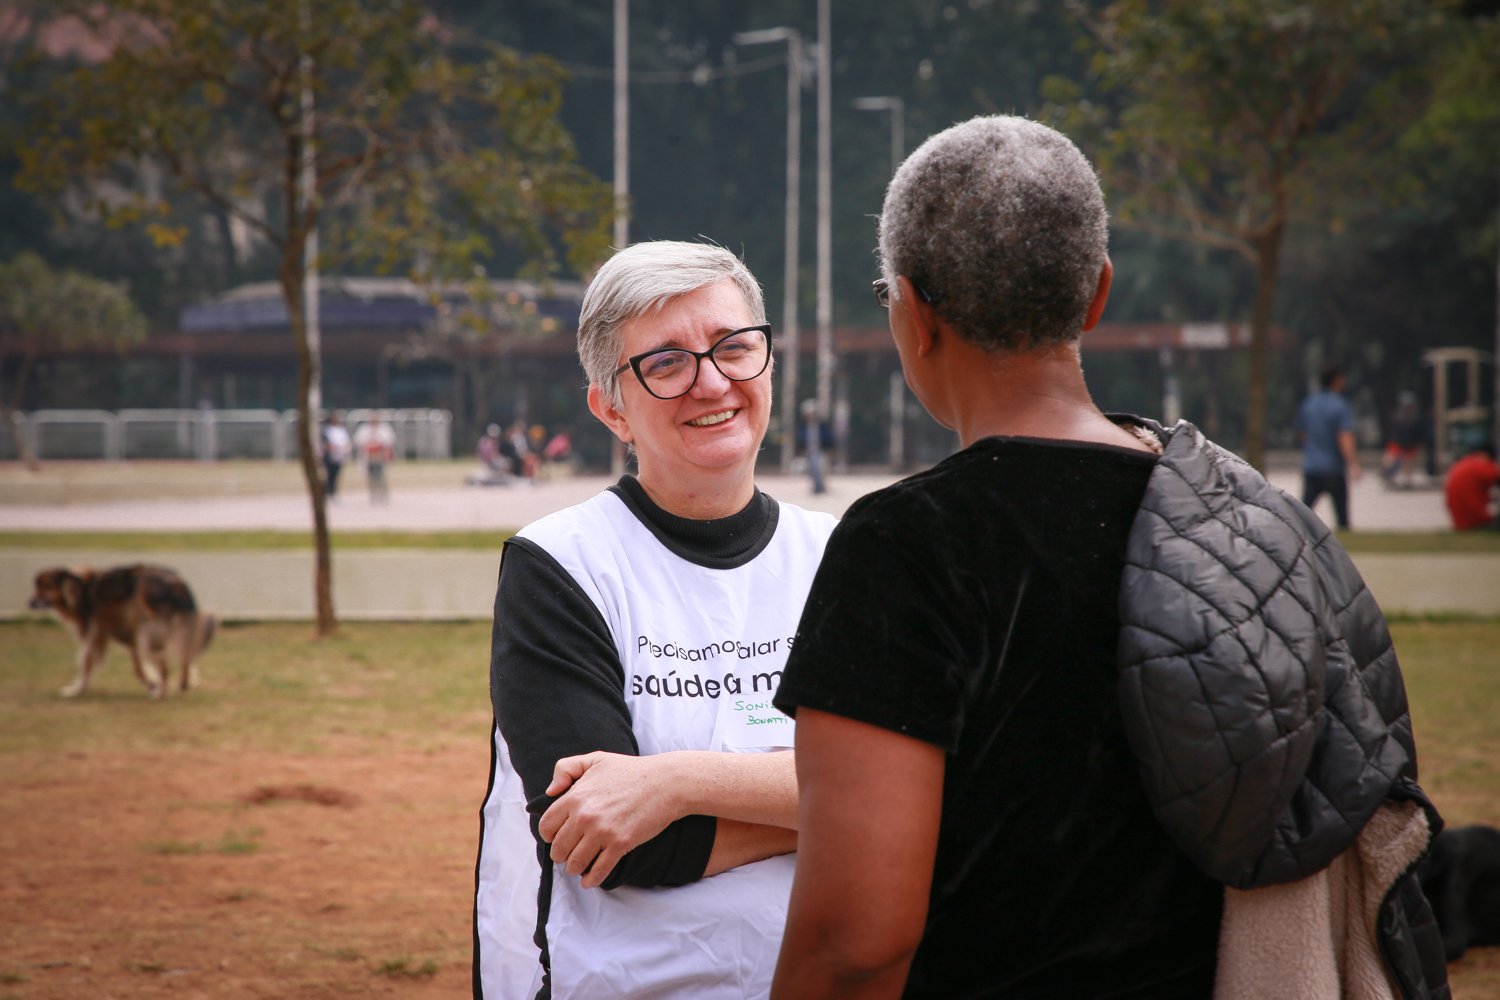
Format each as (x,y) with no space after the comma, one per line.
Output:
(362,122)
(426,154)
(1388,248)
(60,310)
(1390,278)
(1462,124)
(1220,123)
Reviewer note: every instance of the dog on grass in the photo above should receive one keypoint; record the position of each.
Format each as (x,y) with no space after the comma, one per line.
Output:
(147,609)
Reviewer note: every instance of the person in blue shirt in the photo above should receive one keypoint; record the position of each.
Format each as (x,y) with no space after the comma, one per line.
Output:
(1325,430)
(816,439)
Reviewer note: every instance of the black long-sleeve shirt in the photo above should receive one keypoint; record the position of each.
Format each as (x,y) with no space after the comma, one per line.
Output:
(557,684)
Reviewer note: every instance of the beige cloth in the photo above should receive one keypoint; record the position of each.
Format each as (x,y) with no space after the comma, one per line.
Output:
(1317,938)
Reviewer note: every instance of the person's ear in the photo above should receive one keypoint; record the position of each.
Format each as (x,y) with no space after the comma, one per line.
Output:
(1101,295)
(601,405)
(919,313)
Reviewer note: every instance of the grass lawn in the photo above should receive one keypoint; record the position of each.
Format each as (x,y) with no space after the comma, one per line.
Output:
(1421,542)
(268,686)
(400,699)
(1453,682)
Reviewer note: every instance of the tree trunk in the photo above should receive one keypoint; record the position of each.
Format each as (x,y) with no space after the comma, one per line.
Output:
(1267,264)
(11,408)
(292,290)
(23,450)
(479,399)
(230,261)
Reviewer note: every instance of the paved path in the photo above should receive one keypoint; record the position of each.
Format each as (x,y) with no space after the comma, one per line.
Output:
(412,509)
(1375,508)
(456,584)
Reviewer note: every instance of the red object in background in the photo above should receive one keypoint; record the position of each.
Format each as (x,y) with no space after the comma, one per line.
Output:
(1467,489)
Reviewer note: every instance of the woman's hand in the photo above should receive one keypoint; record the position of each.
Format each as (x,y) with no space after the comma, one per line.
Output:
(610,803)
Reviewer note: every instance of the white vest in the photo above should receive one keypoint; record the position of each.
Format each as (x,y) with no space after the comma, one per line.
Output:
(702,651)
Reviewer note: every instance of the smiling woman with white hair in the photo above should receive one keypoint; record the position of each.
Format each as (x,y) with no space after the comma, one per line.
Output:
(638,640)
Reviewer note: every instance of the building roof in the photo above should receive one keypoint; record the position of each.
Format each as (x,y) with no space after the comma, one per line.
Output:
(369,305)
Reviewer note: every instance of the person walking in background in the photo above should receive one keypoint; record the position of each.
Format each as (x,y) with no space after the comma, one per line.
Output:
(1469,490)
(815,440)
(375,441)
(336,448)
(1404,446)
(1059,693)
(519,451)
(642,801)
(1325,430)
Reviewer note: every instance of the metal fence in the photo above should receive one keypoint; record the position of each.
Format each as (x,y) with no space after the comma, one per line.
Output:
(208,435)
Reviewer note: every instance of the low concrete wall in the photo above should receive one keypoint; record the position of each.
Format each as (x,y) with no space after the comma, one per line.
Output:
(1433,583)
(427,584)
(395,584)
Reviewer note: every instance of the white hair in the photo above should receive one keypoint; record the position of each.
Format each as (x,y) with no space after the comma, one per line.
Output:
(1001,221)
(641,279)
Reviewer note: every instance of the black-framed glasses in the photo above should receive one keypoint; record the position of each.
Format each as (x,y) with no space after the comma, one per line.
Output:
(882,289)
(669,372)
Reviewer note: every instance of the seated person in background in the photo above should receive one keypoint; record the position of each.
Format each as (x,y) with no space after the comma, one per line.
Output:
(536,440)
(512,457)
(1469,489)
(557,454)
(488,450)
(559,448)
(638,640)
(516,448)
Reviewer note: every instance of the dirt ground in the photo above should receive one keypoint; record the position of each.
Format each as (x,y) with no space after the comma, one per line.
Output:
(260,876)
(234,877)
(253,877)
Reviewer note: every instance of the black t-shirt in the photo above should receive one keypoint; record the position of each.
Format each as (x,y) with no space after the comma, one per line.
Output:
(973,606)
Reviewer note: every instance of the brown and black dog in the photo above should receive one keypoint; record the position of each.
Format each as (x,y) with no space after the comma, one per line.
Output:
(147,609)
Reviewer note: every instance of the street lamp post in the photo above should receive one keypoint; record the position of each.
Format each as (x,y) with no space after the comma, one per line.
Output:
(790,334)
(897,109)
(622,124)
(825,209)
(622,166)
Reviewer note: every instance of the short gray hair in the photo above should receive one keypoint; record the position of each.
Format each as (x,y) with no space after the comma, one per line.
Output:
(1002,222)
(641,279)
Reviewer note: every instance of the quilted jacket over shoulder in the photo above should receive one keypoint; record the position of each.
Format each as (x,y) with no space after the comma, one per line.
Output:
(1261,692)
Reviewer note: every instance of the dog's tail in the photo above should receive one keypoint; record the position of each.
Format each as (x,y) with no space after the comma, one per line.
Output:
(207,628)
(194,636)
